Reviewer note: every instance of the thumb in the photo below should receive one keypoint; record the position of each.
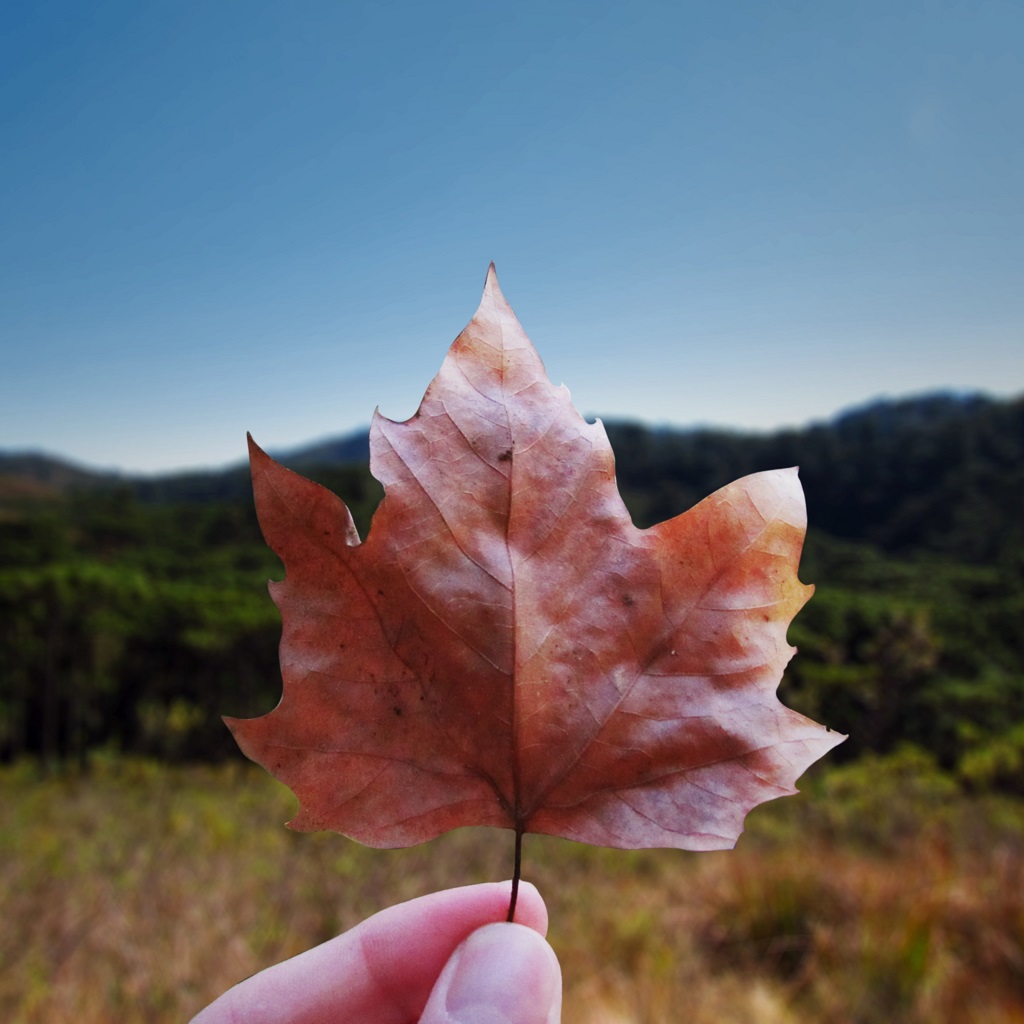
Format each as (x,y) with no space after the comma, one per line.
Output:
(501,974)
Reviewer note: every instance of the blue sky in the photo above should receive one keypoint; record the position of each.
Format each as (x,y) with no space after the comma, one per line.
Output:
(220,217)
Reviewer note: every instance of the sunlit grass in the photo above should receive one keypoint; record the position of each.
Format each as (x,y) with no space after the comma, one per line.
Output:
(139,892)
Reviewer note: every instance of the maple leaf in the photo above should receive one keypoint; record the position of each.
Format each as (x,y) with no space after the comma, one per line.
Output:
(508,649)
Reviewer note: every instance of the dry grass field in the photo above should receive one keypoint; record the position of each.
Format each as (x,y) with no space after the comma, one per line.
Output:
(138,893)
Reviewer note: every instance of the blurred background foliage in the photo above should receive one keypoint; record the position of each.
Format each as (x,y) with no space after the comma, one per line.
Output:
(133,612)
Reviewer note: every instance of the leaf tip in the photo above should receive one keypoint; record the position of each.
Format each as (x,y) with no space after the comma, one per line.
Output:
(255,451)
(491,285)
(493,304)
(260,464)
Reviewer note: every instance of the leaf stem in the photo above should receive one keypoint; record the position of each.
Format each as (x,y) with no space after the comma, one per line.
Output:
(516,872)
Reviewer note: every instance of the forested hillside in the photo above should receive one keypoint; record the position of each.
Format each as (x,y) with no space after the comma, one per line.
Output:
(133,612)
(940,474)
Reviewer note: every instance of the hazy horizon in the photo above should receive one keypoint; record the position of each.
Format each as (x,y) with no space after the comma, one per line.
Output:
(221,218)
(282,451)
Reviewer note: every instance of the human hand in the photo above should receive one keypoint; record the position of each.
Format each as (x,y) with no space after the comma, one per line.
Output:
(446,958)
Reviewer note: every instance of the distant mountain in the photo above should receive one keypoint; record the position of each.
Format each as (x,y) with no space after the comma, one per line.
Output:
(336,451)
(941,472)
(923,411)
(48,473)
(38,474)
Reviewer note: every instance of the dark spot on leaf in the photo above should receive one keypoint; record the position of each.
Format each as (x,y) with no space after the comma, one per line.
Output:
(506,455)
(627,600)
(397,711)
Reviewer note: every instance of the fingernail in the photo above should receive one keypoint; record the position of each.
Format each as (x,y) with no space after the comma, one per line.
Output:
(501,974)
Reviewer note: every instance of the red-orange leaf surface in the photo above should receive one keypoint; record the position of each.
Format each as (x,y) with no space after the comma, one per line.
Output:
(507,649)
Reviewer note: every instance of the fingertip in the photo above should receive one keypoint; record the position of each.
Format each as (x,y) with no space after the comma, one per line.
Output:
(531,910)
(501,972)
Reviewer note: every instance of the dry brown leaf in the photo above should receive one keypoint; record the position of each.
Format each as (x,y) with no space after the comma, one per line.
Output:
(507,649)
